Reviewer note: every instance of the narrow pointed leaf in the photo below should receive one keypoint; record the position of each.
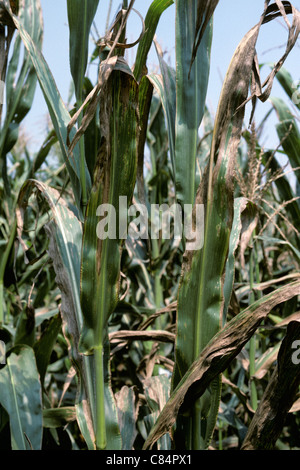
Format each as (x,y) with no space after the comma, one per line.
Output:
(165,85)
(239,206)
(80,17)
(44,346)
(65,242)
(126,400)
(60,117)
(191,89)
(58,417)
(145,100)
(205,10)
(21,78)
(154,13)
(157,392)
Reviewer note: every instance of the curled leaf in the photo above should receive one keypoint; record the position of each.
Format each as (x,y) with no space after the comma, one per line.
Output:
(263,91)
(215,358)
(278,398)
(155,335)
(205,10)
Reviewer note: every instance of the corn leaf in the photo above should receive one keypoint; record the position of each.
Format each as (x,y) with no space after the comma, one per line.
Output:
(263,90)
(80,17)
(58,417)
(59,115)
(201,292)
(21,396)
(126,400)
(157,392)
(289,85)
(205,10)
(278,398)
(204,146)
(44,346)
(65,239)
(200,297)
(215,358)
(154,13)
(240,205)
(191,89)
(114,176)
(288,133)
(65,242)
(20,82)
(165,85)
(92,133)
(145,100)
(21,78)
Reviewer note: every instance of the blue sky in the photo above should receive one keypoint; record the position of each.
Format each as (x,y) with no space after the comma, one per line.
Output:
(232,20)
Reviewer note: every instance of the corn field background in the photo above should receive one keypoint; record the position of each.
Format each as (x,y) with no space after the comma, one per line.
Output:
(138,342)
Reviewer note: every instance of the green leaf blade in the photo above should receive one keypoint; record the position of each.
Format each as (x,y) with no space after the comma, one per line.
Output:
(60,116)
(115,177)
(20,395)
(201,296)
(288,133)
(80,17)
(154,13)
(191,90)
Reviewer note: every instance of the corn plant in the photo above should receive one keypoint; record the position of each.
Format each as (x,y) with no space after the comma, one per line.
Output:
(148,331)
